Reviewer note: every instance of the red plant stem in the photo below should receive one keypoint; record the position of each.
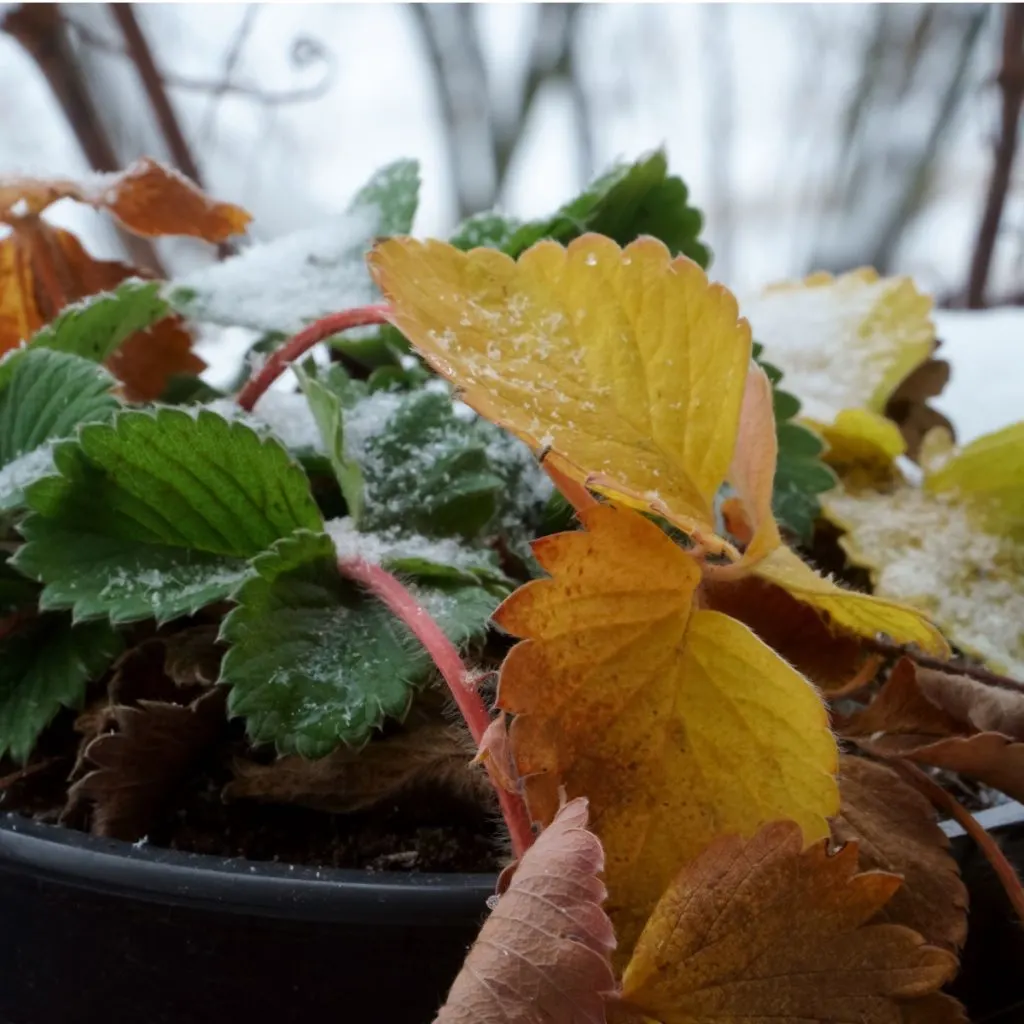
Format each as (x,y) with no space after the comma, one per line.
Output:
(944,801)
(301,343)
(405,607)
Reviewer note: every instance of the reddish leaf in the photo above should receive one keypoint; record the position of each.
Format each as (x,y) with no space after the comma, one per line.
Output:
(543,955)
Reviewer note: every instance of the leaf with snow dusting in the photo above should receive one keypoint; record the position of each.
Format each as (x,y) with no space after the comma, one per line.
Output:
(953,547)
(314,662)
(157,514)
(543,954)
(44,398)
(286,283)
(845,344)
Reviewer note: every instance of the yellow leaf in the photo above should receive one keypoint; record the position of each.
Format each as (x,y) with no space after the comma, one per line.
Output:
(845,344)
(953,547)
(862,446)
(626,364)
(767,933)
(860,613)
(677,724)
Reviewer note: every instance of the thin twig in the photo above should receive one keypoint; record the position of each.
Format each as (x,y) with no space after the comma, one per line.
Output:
(944,801)
(467,698)
(1011,82)
(983,675)
(301,343)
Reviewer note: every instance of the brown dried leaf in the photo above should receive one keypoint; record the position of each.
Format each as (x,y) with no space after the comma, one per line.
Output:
(896,831)
(830,658)
(138,765)
(978,705)
(542,957)
(147,198)
(433,754)
(43,269)
(937,1008)
(908,406)
(762,931)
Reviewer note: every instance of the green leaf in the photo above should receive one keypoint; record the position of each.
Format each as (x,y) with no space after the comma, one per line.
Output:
(157,513)
(424,468)
(629,201)
(16,591)
(485,230)
(96,327)
(325,404)
(315,662)
(800,475)
(47,395)
(283,285)
(188,389)
(46,665)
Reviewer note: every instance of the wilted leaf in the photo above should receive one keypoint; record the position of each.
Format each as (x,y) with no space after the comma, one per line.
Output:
(941,721)
(147,198)
(896,831)
(137,765)
(677,724)
(44,269)
(156,514)
(845,343)
(908,405)
(542,955)
(628,365)
(313,662)
(425,755)
(762,931)
(953,547)
(864,614)
(45,665)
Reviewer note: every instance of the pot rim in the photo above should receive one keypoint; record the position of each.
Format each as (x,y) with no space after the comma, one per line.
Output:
(54,854)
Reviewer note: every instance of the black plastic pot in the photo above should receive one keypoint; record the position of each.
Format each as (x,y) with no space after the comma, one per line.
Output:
(95,930)
(98,930)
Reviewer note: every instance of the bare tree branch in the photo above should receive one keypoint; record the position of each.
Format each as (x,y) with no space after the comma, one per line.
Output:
(1011,82)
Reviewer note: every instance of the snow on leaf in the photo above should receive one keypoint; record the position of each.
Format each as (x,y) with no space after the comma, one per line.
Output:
(543,954)
(46,395)
(618,668)
(313,662)
(845,343)
(628,366)
(157,513)
(953,547)
(763,931)
(284,284)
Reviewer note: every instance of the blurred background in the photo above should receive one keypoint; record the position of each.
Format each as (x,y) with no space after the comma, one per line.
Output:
(812,136)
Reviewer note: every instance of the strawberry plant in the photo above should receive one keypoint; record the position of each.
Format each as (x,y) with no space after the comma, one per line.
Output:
(550,450)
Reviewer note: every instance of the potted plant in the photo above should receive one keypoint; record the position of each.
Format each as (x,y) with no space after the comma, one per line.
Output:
(225,612)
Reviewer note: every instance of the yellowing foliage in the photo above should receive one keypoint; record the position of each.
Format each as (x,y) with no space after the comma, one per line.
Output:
(953,547)
(845,344)
(677,723)
(627,364)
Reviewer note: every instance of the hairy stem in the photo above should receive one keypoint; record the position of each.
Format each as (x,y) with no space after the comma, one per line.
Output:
(944,801)
(470,704)
(301,343)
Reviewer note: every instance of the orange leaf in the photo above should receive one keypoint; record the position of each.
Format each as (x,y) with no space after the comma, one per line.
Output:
(896,829)
(147,198)
(752,472)
(677,724)
(542,955)
(764,932)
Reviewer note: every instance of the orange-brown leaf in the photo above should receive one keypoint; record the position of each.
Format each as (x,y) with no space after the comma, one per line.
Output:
(147,198)
(896,831)
(543,955)
(675,722)
(765,932)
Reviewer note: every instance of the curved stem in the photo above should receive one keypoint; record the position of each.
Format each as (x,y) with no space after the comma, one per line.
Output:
(301,343)
(944,801)
(405,607)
